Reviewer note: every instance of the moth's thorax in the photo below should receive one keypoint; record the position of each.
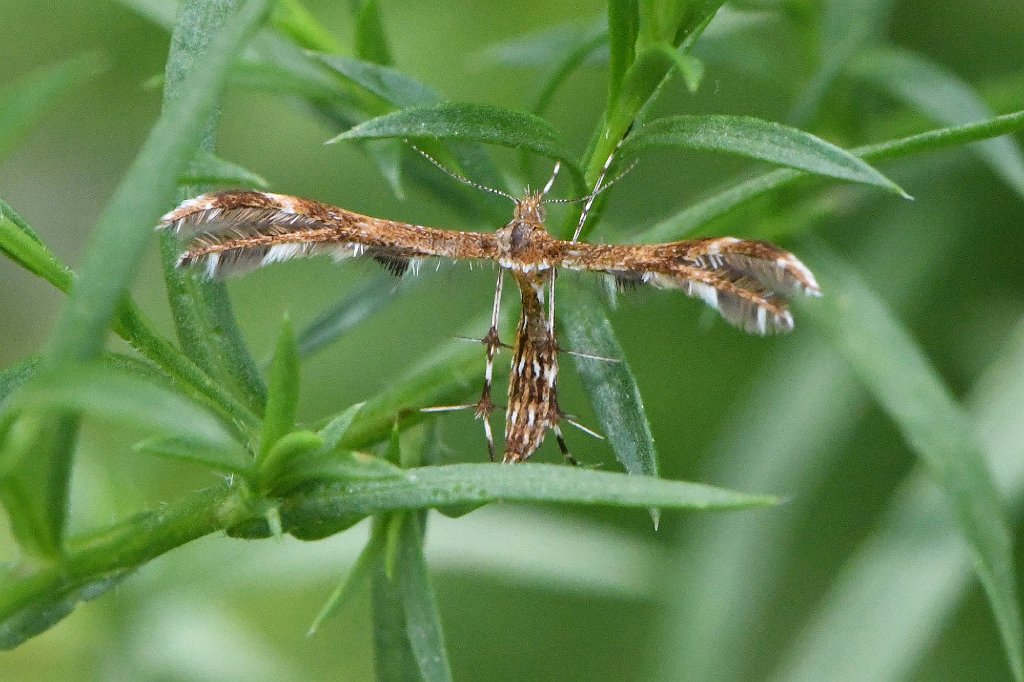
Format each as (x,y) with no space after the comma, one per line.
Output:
(522,243)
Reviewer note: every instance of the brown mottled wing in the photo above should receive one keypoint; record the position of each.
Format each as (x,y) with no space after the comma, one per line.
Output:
(748,282)
(234,232)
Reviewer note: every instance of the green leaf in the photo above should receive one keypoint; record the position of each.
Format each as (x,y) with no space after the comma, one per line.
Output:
(914,543)
(24,103)
(623,29)
(476,483)
(121,397)
(468,122)
(207,169)
(944,98)
(371,294)
(35,446)
(295,21)
(21,244)
(38,616)
(422,623)
(292,451)
(232,460)
(391,85)
(899,376)
(371,39)
(757,139)
(335,429)
(689,219)
(146,191)
(442,378)
(610,384)
(283,396)
(159,12)
(847,28)
(357,579)
(207,330)
(392,651)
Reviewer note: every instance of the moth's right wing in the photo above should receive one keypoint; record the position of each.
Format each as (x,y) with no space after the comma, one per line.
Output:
(749,282)
(231,233)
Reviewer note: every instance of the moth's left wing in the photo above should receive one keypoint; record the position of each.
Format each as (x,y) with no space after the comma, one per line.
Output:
(231,233)
(748,282)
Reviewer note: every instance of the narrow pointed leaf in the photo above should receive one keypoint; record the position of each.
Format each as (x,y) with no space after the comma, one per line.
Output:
(25,102)
(690,219)
(146,192)
(393,655)
(207,169)
(121,397)
(623,28)
(914,544)
(388,83)
(944,98)
(233,460)
(371,294)
(283,395)
(610,384)
(469,122)
(896,372)
(422,623)
(757,139)
(19,243)
(357,579)
(335,429)
(371,38)
(476,483)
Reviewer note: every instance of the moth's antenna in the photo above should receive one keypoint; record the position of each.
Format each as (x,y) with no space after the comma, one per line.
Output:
(458,177)
(598,188)
(602,188)
(551,180)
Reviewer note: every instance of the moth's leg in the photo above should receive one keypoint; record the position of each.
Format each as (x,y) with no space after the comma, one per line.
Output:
(563,447)
(485,406)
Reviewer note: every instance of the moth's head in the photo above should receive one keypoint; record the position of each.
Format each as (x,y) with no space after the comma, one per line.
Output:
(530,209)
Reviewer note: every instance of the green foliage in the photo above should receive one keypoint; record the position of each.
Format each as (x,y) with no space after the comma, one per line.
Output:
(204,401)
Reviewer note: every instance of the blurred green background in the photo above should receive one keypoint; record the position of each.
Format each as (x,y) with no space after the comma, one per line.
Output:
(533,593)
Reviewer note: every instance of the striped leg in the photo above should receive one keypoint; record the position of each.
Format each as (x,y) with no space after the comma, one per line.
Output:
(485,406)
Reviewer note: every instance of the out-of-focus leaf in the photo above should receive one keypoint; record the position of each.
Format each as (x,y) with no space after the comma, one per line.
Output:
(21,244)
(371,38)
(24,103)
(206,327)
(335,429)
(465,121)
(847,27)
(610,383)
(144,194)
(551,44)
(900,378)
(295,21)
(159,12)
(443,378)
(207,169)
(122,397)
(39,616)
(372,293)
(757,139)
(354,581)
(389,84)
(283,395)
(913,569)
(945,99)
(422,624)
(232,460)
